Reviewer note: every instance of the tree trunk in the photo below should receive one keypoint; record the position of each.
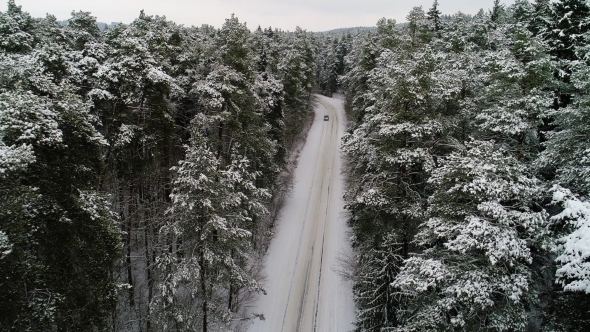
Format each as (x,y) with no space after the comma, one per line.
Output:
(407,239)
(148,269)
(231,296)
(128,246)
(203,283)
(231,287)
(220,134)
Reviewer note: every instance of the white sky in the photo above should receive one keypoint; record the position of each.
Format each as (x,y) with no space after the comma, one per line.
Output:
(312,15)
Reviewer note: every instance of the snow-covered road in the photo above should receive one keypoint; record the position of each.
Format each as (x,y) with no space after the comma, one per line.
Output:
(304,291)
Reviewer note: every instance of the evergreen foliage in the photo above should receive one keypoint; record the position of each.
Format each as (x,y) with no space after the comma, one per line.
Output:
(458,151)
(434,15)
(136,167)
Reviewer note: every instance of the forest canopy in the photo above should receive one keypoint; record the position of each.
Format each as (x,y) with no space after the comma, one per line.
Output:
(142,167)
(468,169)
(138,167)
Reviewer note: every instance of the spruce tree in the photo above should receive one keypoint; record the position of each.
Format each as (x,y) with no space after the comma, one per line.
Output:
(434,16)
(571,23)
(496,11)
(542,19)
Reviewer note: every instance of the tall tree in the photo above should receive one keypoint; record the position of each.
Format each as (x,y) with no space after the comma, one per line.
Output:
(62,234)
(496,11)
(212,205)
(434,16)
(16,29)
(474,271)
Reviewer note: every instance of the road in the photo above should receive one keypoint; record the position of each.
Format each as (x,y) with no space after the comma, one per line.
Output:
(304,290)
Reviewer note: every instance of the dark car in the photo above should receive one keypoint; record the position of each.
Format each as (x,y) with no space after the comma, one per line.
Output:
(326,118)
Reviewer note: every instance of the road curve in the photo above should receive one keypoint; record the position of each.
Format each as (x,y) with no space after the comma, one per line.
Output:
(304,291)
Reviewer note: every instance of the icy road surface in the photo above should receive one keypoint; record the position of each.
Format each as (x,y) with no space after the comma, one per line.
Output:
(304,291)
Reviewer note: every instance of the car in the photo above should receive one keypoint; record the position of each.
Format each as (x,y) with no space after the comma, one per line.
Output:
(326,118)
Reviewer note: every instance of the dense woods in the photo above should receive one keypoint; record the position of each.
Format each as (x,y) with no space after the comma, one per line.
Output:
(142,167)
(139,167)
(468,169)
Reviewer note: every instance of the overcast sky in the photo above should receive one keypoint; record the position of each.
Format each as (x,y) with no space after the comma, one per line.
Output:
(312,15)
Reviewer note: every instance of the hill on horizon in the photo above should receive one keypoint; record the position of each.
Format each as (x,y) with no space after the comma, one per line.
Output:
(350,30)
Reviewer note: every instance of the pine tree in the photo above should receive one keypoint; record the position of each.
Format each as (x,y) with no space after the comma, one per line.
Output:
(474,271)
(108,115)
(542,19)
(571,23)
(574,270)
(512,97)
(83,25)
(418,27)
(567,144)
(297,73)
(376,270)
(485,79)
(212,204)
(569,300)
(522,13)
(16,30)
(496,11)
(434,16)
(62,233)
(328,67)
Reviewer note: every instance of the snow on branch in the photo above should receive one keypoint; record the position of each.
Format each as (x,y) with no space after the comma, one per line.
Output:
(574,248)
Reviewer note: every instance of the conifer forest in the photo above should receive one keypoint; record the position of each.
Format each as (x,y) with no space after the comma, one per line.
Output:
(143,168)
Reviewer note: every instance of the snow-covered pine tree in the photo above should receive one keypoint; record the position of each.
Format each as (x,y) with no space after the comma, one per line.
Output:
(567,145)
(391,149)
(327,66)
(83,28)
(497,11)
(418,28)
(16,30)
(376,269)
(474,270)
(541,21)
(521,12)
(433,15)
(297,73)
(572,21)
(359,63)
(490,81)
(62,234)
(565,163)
(512,95)
(213,204)
(137,85)
(132,93)
(570,300)
(574,269)
(236,81)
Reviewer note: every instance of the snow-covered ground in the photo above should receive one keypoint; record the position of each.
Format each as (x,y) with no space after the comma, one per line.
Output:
(304,290)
